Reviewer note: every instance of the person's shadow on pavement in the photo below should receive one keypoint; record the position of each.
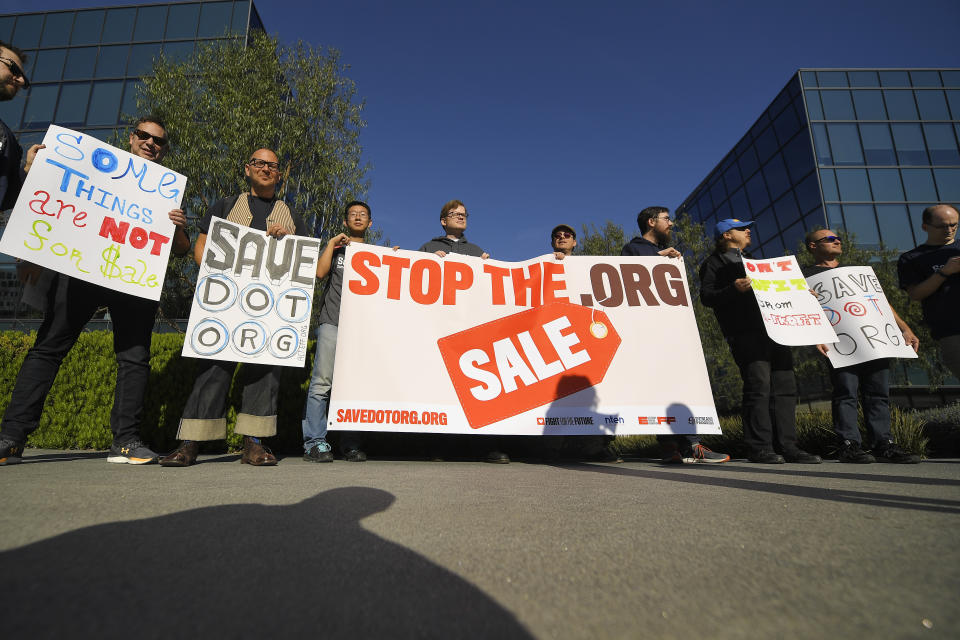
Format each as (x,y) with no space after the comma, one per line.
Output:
(304,570)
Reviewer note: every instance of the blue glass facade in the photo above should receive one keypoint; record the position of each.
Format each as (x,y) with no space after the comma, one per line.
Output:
(865,150)
(85,65)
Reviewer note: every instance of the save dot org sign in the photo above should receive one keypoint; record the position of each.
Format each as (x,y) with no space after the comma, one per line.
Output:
(857,308)
(253,298)
(584,345)
(97,213)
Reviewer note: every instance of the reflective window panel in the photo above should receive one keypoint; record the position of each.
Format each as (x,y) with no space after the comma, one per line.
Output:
(895,228)
(845,144)
(26,35)
(918,184)
(886,185)
(87,27)
(72,108)
(182,21)
(941,143)
(81,61)
(868,105)
(877,144)
(948,184)
(837,105)
(40,105)
(862,223)
(214,19)
(901,105)
(150,23)
(56,30)
(853,185)
(118,26)
(828,182)
(105,103)
(908,139)
(49,65)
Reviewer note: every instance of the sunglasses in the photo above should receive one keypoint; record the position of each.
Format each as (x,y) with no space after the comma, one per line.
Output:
(16,71)
(562,234)
(143,135)
(828,239)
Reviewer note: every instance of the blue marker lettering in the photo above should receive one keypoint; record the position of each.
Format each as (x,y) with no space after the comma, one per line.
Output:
(67,172)
(103,160)
(140,174)
(173,193)
(103,198)
(81,190)
(64,137)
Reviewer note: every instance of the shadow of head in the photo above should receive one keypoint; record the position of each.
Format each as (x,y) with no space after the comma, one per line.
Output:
(245,569)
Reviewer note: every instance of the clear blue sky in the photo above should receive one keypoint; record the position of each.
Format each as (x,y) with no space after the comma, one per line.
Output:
(535,113)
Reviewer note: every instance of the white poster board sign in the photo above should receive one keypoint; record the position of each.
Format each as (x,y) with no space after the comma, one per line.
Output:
(791,315)
(584,345)
(97,213)
(253,298)
(860,314)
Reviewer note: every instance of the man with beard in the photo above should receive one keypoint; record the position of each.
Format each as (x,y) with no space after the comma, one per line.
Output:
(656,228)
(928,273)
(12,78)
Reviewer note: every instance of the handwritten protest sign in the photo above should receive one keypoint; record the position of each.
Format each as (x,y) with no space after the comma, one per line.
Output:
(97,213)
(859,312)
(584,345)
(253,298)
(790,314)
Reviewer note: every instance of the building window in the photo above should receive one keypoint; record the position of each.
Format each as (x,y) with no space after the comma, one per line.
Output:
(56,30)
(87,27)
(182,22)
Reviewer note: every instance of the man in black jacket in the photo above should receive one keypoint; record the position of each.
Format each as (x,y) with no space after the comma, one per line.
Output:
(656,227)
(453,219)
(769,386)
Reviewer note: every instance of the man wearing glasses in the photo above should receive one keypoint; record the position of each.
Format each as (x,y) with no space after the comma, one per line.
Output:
(69,305)
(12,79)
(204,416)
(356,220)
(871,379)
(928,273)
(656,229)
(453,219)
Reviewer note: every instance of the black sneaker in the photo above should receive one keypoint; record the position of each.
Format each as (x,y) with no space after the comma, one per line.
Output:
(133,452)
(852,452)
(799,456)
(319,452)
(10,452)
(355,455)
(890,452)
(766,457)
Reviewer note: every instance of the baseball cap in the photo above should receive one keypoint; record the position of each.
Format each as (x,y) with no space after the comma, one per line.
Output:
(730,223)
(565,227)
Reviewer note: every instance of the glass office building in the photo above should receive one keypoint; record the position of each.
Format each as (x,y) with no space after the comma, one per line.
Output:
(84,66)
(865,150)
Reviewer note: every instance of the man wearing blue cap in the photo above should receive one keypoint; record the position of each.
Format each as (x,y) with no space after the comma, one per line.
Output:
(656,227)
(769,386)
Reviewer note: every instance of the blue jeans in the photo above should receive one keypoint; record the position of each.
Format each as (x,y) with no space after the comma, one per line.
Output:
(870,383)
(314,423)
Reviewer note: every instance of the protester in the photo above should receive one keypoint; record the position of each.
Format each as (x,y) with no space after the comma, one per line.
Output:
(453,219)
(656,229)
(928,273)
(769,385)
(356,219)
(204,416)
(12,78)
(870,380)
(69,304)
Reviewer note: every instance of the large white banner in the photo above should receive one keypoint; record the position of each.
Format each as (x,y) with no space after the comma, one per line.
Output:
(97,213)
(791,315)
(253,298)
(857,308)
(584,345)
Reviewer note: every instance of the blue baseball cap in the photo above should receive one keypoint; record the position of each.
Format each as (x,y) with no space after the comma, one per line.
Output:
(730,223)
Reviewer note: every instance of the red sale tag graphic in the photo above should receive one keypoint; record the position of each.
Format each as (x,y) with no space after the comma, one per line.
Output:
(531,358)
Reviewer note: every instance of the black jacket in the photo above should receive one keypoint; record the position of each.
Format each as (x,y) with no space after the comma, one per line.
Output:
(736,311)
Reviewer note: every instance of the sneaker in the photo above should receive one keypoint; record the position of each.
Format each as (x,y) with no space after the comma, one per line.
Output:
(496,457)
(766,457)
(700,453)
(890,452)
(320,452)
(355,455)
(10,452)
(852,452)
(670,453)
(799,456)
(133,452)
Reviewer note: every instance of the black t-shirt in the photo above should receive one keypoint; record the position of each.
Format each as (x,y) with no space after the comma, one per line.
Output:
(259,207)
(941,309)
(813,270)
(330,308)
(640,246)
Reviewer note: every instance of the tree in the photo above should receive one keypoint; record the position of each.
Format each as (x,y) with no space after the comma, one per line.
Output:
(604,242)
(228,100)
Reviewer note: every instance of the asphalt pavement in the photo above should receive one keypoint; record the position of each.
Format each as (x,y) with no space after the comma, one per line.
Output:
(399,549)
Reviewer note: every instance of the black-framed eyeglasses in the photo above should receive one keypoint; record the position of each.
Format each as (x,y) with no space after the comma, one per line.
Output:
(143,135)
(828,239)
(458,215)
(559,235)
(260,164)
(945,225)
(17,71)
(667,218)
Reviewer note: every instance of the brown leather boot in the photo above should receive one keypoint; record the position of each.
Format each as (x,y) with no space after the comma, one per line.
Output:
(184,456)
(256,454)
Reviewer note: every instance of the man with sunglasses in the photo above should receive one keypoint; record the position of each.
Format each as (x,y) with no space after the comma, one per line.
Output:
(769,404)
(12,175)
(869,380)
(69,305)
(928,273)
(204,416)
(656,229)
